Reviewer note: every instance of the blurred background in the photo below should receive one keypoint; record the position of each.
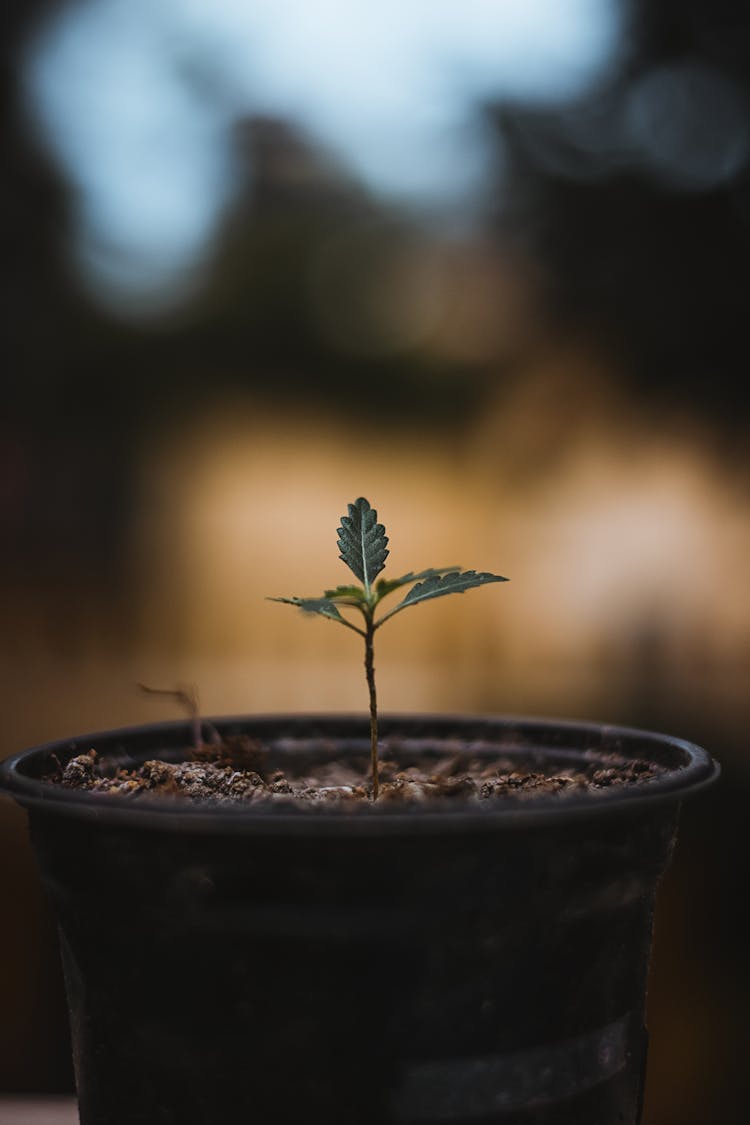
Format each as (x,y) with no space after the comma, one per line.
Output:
(485,262)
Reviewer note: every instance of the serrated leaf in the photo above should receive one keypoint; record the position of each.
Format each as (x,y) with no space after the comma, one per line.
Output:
(323,606)
(355,593)
(438,585)
(387,585)
(362,542)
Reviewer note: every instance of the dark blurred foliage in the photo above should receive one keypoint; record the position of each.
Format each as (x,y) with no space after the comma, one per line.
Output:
(83,385)
(650,249)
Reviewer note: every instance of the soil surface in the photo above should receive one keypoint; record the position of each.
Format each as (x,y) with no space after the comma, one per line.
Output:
(241,771)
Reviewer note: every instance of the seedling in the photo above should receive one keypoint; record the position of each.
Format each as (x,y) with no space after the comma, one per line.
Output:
(363,544)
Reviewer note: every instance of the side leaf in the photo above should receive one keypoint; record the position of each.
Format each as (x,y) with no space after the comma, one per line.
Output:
(322,606)
(347,594)
(362,542)
(387,585)
(438,585)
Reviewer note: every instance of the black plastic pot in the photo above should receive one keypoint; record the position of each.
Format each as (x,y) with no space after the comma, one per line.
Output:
(459,965)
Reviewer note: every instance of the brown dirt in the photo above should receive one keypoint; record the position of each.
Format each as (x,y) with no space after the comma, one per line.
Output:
(238,771)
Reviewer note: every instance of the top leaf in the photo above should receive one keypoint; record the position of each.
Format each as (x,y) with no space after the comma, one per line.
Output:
(362,542)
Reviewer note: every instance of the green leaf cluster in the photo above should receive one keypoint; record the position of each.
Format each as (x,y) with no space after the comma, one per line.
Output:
(363,545)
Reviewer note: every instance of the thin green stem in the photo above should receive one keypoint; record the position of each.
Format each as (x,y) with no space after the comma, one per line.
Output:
(370,674)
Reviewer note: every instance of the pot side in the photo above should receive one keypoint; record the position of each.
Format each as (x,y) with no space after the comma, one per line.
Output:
(457,965)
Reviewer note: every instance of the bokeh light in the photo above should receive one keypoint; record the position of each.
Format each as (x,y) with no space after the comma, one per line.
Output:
(137,100)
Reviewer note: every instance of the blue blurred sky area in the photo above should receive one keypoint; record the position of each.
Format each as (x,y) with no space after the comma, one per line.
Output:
(136,100)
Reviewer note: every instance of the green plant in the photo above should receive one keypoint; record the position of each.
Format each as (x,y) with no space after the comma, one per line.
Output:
(363,545)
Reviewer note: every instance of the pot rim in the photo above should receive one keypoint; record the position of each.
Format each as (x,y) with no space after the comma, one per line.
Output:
(689,768)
